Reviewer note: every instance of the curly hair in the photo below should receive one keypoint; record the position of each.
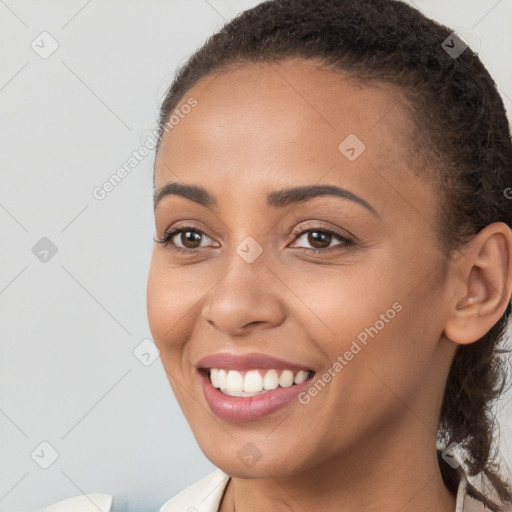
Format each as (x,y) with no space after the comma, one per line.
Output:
(460,141)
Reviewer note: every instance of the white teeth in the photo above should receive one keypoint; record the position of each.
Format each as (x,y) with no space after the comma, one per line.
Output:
(235,382)
(270,380)
(241,393)
(301,376)
(286,379)
(255,382)
(223,379)
(214,377)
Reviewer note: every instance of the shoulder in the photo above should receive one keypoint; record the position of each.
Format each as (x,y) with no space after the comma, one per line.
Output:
(84,503)
(202,496)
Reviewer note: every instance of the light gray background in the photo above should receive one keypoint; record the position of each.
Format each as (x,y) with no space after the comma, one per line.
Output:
(69,326)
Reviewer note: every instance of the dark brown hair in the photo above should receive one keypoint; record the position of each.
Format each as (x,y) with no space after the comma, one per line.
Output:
(461,141)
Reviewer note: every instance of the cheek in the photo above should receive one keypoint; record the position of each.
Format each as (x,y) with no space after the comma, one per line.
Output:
(167,308)
(175,299)
(369,318)
(389,356)
(169,301)
(156,301)
(340,302)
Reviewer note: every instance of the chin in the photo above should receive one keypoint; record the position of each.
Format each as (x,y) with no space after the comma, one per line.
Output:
(246,460)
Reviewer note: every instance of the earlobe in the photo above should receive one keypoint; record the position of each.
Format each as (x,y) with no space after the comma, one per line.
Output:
(483,285)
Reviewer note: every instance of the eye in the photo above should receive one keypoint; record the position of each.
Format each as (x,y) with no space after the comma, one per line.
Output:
(189,237)
(321,238)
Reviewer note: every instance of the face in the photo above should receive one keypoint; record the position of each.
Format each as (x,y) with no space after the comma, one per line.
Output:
(347,286)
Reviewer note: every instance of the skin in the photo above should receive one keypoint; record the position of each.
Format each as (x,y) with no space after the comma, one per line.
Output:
(366,441)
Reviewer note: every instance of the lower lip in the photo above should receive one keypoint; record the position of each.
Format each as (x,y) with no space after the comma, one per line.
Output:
(236,408)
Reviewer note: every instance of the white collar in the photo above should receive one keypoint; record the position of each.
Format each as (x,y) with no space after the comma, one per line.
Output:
(202,496)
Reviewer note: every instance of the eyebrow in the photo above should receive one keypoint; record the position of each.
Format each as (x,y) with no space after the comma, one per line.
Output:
(275,199)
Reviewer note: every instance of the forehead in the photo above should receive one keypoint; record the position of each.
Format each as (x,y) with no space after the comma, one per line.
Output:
(269,124)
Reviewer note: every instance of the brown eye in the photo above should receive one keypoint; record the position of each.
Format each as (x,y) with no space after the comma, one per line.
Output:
(183,239)
(189,239)
(320,240)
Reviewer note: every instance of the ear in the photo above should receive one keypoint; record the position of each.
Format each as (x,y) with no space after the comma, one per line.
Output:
(482,284)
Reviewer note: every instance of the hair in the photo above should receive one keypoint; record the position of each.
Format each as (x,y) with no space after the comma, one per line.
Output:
(460,141)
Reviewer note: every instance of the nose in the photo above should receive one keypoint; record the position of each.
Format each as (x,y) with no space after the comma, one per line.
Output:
(246,297)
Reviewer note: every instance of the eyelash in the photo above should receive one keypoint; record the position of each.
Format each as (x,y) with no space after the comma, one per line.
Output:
(169,235)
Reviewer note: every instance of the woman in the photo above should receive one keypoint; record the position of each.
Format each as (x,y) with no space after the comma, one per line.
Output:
(333,261)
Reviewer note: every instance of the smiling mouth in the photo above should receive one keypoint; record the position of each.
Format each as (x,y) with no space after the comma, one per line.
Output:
(254,382)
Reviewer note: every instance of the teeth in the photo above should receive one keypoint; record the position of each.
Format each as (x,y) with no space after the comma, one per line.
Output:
(223,379)
(286,379)
(301,377)
(235,381)
(214,377)
(254,382)
(270,380)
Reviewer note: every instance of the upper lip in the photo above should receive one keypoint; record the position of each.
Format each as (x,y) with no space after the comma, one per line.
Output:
(252,361)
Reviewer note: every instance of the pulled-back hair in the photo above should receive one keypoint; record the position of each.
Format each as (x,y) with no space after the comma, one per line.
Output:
(461,142)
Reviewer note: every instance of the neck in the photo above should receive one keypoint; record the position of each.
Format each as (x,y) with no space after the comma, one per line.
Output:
(398,474)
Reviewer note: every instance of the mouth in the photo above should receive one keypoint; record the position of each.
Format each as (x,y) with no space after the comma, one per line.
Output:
(249,383)
(247,387)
